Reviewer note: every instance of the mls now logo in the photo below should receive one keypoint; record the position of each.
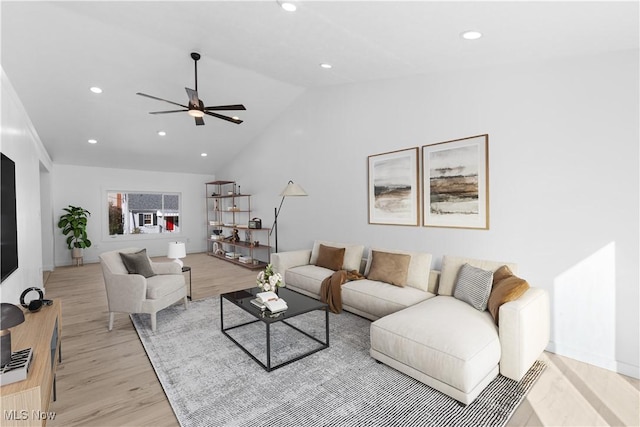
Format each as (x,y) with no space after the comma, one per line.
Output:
(24,415)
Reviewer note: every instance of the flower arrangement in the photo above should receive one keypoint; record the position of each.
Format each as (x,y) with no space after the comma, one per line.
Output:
(268,280)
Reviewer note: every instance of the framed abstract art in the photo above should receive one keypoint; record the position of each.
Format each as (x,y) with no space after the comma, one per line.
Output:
(394,188)
(456,183)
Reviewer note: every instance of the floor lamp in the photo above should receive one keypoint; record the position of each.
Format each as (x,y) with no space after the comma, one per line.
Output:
(292,189)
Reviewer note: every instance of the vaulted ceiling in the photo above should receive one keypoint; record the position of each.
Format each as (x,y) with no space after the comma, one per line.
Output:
(257,54)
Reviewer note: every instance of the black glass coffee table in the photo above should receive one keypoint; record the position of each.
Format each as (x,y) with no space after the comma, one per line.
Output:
(297,304)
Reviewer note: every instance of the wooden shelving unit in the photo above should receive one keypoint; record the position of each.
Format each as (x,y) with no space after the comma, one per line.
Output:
(228,213)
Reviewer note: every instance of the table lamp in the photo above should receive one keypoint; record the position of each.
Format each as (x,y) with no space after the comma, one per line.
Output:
(11,316)
(177,250)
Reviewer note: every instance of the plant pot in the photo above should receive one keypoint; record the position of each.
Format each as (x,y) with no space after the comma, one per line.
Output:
(76,255)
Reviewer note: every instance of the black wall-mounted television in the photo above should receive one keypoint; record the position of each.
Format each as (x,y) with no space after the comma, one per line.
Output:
(9,223)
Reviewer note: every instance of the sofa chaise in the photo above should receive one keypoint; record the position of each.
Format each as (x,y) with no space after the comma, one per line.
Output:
(424,329)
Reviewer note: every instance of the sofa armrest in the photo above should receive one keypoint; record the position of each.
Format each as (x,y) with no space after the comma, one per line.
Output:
(165,267)
(125,292)
(524,332)
(282,261)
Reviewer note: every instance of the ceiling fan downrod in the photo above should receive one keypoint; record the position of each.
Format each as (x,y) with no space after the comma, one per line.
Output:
(195,56)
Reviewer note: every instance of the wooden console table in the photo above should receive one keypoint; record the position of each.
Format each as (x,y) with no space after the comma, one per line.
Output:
(26,403)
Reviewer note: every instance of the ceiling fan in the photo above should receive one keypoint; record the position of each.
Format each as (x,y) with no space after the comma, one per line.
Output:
(196,108)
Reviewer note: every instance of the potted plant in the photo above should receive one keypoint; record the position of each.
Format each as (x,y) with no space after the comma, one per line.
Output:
(74,225)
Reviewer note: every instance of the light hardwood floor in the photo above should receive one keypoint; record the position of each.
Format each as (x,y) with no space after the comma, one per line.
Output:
(105,378)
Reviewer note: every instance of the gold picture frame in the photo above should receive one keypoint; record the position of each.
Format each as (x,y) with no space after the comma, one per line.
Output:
(455,182)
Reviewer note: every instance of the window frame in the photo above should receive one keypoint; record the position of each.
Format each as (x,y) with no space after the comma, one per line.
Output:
(164,235)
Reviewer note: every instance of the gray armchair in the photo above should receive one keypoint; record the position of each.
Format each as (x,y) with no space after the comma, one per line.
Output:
(133,293)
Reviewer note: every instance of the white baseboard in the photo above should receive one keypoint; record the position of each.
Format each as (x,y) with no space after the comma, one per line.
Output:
(628,370)
(610,365)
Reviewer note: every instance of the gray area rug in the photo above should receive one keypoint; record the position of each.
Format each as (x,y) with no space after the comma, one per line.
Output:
(209,381)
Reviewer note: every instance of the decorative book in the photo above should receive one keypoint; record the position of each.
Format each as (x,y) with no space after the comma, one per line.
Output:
(271,300)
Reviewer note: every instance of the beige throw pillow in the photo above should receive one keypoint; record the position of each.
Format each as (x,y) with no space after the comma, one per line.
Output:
(330,257)
(506,287)
(389,268)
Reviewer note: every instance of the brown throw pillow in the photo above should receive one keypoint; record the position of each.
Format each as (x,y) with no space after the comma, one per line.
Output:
(330,257)
(389,268)
(137,263)
(506,287)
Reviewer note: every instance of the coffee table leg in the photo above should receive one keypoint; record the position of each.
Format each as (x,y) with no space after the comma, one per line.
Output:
(221,316)
(326,324)
(268,347)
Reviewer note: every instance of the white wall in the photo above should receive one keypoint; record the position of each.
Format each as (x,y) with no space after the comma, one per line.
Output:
(20,142)
(87,187)
(564,192)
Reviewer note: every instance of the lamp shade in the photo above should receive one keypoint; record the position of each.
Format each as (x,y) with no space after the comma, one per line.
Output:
(11,316)
(176,250)
(293,189)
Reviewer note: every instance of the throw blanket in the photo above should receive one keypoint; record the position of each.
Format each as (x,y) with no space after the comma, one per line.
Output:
(331,288)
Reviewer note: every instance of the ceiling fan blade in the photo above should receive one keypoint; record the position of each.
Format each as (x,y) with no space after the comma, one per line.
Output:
(199,121)
(225,107)
(193,97)
(164,112)
(160,99)
(220,116)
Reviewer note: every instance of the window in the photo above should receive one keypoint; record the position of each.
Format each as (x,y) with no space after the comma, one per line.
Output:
(143,213)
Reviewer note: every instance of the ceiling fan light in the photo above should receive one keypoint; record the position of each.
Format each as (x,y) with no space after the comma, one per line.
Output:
(288,6)
(195,113)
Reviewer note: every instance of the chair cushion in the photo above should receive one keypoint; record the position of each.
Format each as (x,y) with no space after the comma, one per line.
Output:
(163,284)
(443,338)
(330,257)
(137,263)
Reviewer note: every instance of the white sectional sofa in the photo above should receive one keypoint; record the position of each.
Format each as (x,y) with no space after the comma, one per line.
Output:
(422,329)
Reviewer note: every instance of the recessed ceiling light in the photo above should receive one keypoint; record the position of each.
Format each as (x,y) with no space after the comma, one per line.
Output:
(95,89)
(161,133)
(326,66)
(288,6)
(203,154)
(92,141)
(471,35)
